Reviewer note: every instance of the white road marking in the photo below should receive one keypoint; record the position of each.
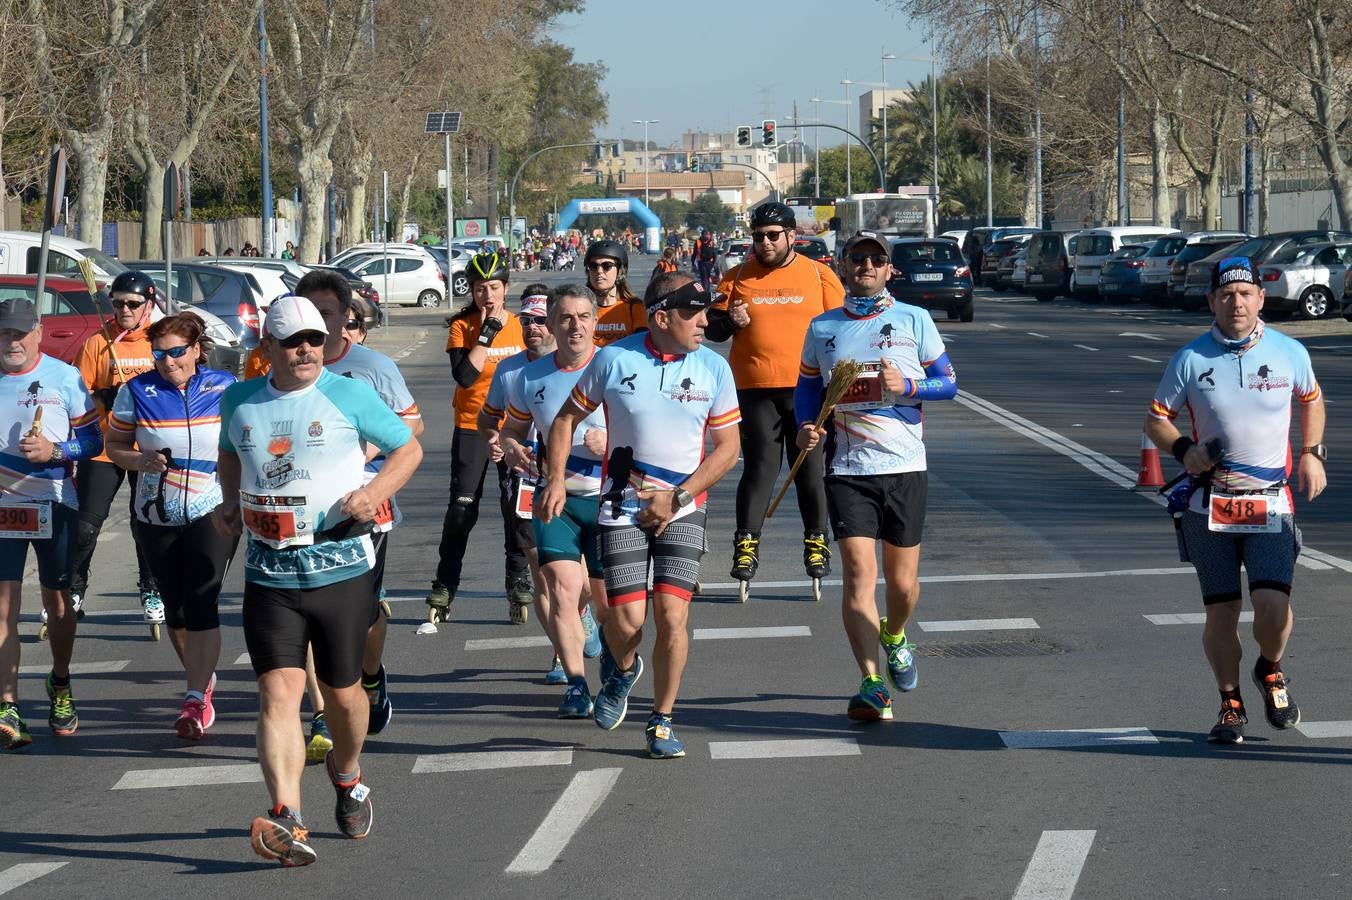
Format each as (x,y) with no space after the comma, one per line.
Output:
(1077,737)
(1143,359)
(243,659)
(1312,564)
(492,759)
(583,797)
(1192,618)
(1055,868)
(189,776)
(1139,334)
(772,631)
(1327,558)
(514,643)
(18,876)
(109,535)
(975,577)
(978,625)
(1087,347)
(1034,334)
(948,338)
(417,342)
(784,749)
(995,325)
(80,668)
(1318,730)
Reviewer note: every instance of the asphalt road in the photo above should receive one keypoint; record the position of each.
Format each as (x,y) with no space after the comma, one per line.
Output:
(1055,746)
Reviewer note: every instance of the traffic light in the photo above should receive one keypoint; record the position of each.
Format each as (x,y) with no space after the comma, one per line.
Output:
(768,133)
(743,135)
(694,163)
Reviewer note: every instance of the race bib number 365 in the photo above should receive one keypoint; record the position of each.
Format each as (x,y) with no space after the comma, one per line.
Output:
(279,522)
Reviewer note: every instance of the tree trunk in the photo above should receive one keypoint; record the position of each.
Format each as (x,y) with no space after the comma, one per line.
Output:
(405,192)
(152,211)
(1160,211)
(1210,186)
(1264,186)
(357,181)
(314,169)
(1029,213)
(90,152)
(492,203)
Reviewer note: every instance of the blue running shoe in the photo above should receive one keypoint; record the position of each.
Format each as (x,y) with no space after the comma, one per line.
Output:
(662,741)
(607,661)
(901,669)
(378,695)
(612,703)
(577,702)
(556,675)
(872,702)
(591,647)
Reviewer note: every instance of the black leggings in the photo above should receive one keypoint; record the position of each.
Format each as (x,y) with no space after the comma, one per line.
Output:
(768,430)
(96,483)
(189,562)
(469,465)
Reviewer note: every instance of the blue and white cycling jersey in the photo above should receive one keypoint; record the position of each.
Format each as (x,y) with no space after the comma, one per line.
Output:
(657,410)
(877,432)
(68,418)
(300,453)
(536,395)
(1241,395)
(187,423)
(495,402)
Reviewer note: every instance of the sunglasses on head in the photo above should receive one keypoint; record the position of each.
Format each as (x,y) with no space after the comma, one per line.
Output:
(878,259)
(534,320)
(603,266)
(129,304)
(770,236)
(310,338)
(171,352)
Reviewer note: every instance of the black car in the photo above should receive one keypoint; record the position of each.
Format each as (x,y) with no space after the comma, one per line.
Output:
(932,273)
(991,259)
(1049,264)
(1178,267)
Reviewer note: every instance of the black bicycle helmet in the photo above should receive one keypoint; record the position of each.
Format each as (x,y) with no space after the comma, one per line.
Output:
(608,250)
(486,267)
(134,282)
(773,213)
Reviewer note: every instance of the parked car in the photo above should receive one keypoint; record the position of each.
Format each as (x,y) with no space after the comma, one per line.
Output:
(1311,285)
(813,248)
(272,283)
(976,241)
(958,235)
(230,297)
(1262,249)
(1160,257)
(1120,276)
(404,280)
(1004,275)
(363,289)
(932,273)
(454,264)
(1051,264)
(69,315)
(1019,278)
(1097,245)
(19,251)
(992,256)
(737,252)
(1178,269)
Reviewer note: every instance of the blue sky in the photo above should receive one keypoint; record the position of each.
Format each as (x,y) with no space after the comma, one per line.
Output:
(757,58)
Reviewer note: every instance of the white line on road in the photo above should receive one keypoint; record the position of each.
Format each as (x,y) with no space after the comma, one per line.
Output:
(189,776)
(18,876)
(1192,618)
(80,668)
(1144,359)
(243,659)
(516,643)
(975,577)
(1319,730)
(784,749)
(996,325)
(1055,868)
(772,631)
(978,625)
(1087,347)
(417,342)
(1077,737)
(583,796)
(492,759)
(1141,334)
(1034,334)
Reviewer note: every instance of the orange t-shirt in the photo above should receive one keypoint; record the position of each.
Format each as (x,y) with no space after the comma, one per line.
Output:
(781,303)
(99,371)
(619,320)
(464,332)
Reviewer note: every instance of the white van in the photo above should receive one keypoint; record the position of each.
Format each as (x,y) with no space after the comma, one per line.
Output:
(1094,245)
(19,256)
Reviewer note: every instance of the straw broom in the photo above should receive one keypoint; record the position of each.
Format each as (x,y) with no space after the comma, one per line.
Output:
(843,374)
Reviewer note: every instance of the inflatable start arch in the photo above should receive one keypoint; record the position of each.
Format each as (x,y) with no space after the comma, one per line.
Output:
(615,206)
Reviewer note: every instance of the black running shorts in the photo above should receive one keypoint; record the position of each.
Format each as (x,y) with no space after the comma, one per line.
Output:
(280,622)
(879,507)
(1269,558)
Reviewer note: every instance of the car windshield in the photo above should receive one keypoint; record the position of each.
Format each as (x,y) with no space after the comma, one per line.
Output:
(1095,245)
(930,251)
(1252,247)
(1131,251)
(103,261)
(1167,246)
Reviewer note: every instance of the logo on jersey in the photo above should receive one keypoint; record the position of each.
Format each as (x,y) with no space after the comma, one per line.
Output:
(246,437)
(282,468)
(687,392)
(627,384)
(150,391)
(32,397)
(831,342)
(540,395)
(316,429)
(773,300)
(281,427)
(1206,376)
(1265,380)
(887,337)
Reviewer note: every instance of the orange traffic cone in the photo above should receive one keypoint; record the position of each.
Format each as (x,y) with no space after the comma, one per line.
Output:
(1149,475)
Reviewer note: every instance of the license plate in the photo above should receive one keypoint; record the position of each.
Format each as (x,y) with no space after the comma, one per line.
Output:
(1108,287)
(1244,513)
(928,276)
(26,521)
(1034,278)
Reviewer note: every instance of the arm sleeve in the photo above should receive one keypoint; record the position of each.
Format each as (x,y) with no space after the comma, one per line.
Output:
(941,382)
(1172,392)
(462,370)
(810,390)
(87,439)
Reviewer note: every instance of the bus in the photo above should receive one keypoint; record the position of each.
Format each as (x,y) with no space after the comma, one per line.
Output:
(895,215)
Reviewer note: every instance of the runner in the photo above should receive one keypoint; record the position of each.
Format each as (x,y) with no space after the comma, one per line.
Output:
(876,482)
(662,393)
(482,335)
(292,470)
(619,313)
(1238,381)
(108,360)
(332,296)
(173,414)
(49,421)
(765,305)
(569,540)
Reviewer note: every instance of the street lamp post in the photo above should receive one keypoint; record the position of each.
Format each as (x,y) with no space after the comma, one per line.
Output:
(816,145)
(645,123)
(886,102)
(849,184)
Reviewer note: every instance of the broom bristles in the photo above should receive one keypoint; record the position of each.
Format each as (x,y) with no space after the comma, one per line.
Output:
(87,270)
(843,374)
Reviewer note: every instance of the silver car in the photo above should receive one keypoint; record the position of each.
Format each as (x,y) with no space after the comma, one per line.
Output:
(733,256)
(1307,280)
(1159,260)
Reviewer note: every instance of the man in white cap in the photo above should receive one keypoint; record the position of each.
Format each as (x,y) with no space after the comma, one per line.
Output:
(291,467)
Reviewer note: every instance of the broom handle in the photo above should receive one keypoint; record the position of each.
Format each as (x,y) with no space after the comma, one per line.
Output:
(798,463)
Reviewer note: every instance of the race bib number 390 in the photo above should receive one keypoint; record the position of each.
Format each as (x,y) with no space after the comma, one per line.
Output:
(279,522)
(1244,513)
(26,521)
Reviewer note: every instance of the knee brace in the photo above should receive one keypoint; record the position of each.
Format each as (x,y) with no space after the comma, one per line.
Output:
(87,535)
(462,513)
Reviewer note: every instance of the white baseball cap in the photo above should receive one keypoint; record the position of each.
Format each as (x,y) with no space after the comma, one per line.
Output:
(290,315)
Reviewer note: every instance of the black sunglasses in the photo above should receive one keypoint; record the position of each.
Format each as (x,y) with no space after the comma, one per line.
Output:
(129,304)
(601,266)
(171,352)
(770,236)
(312,338)
(352,324)
(878,259)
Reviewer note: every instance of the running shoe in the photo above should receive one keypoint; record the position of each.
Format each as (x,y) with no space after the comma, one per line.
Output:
(77,604)
(152,607)
(662,740)
(556,675)
(192,723)
(577,702)
(210,718)
(1229,727)
(612,702)
(901,669)
(591,633)
(1281,709)
(320,742)
(378,695)
(13,729)
(872,702)
(62,718)
(352,811)
(281,835)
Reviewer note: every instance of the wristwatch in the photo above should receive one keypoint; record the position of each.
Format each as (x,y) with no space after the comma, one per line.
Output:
(1318,451)
(683,497)
(58,455)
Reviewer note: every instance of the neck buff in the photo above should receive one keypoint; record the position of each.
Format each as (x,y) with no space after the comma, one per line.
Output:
(1237,346)
(867,306)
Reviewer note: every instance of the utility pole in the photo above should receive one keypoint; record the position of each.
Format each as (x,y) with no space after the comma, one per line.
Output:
(1122,214)
(645,123)
(934,123)
(990,168)
(849,183)
(817,144)
(1037,112)
(263,132)
(887,101)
